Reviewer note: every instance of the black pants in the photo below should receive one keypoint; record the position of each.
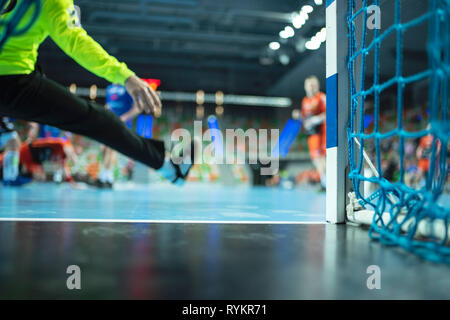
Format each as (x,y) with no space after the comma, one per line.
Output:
(36,98)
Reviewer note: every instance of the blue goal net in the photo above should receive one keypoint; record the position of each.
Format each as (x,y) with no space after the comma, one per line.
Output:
(399,70)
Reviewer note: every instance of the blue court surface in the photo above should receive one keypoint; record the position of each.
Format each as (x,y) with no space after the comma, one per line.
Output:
(162,203)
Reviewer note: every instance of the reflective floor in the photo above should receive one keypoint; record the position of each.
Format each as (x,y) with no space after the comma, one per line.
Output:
(208,261)
(136,258)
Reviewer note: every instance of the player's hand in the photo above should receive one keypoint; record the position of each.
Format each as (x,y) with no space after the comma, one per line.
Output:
(145,97)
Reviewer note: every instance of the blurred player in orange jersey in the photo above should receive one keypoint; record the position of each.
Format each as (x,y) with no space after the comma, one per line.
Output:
(423,153)
(314,117)
(34,154)
(10,143)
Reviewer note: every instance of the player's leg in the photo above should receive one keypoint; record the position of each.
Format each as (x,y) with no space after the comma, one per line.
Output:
(316,153)
(320,164)
(323,153)
(109,156)
(11,157)
(314,142)
(106,175)
(39,99)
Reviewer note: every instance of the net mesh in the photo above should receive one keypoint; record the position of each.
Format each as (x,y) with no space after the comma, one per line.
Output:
(401,208)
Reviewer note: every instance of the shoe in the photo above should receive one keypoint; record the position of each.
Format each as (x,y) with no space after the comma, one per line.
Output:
(178,173)
(108,185)
(20,181)
(103,185)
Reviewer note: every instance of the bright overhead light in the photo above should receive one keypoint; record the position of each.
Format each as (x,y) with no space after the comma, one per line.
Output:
(317,40)
(322,35)
(304,15)
(298,21)
(274,45)
(283,34)
(288,32)
(73,88)
(310,45)
(318,2)
(313,44)
(307,9)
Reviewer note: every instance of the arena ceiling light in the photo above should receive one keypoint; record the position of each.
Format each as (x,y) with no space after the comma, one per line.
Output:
(312,45)
(307,8)
(73,88)
(297,20)
(288,32)
(322,35)
(317,40)
(304,15)
(274,45)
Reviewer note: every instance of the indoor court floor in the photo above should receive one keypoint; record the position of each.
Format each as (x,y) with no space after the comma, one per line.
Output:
(162,203)
(122,256)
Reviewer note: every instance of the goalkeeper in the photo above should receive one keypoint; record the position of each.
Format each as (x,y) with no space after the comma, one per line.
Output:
(26,93)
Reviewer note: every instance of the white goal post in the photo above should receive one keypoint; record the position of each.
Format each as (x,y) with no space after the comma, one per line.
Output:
(338,108)
(338,111)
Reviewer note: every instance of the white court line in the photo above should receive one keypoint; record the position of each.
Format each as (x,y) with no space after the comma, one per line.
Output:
(155,221)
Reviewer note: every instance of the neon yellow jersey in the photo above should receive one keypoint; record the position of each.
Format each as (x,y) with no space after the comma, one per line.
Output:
(59,20)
